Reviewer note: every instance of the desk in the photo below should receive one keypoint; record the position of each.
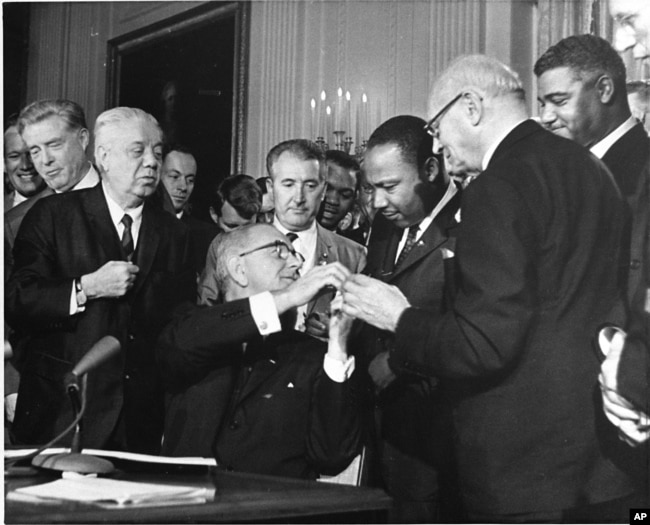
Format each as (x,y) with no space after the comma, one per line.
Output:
(239,497)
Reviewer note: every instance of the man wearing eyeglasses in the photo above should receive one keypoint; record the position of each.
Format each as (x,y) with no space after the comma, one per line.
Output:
(537,252)
(246,387)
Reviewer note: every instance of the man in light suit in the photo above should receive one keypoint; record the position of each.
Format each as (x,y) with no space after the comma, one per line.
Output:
(299,174)
(411,241)
(95,262)
(259,396)
(534,283)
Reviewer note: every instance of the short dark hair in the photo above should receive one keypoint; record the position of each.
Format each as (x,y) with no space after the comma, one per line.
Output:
(587,56)
(344,161)
(181,148)
(262,183)
(71,112)
(11,121)
(408,134)
(302,149)
(241,192)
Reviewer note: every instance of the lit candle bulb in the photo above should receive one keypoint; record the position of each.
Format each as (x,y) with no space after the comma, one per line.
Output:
(321,114)
(328,125)
(338,115)
(348,115)
(312,124)
(364,113)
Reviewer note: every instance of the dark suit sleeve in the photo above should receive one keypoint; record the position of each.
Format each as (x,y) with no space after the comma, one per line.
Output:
(201,338)
(38,292)
(335,427)
(488,324)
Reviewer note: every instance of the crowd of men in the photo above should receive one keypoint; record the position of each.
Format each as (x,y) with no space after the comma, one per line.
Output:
(470,303)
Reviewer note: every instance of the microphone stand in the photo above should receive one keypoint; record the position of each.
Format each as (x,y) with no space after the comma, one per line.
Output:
(73,461)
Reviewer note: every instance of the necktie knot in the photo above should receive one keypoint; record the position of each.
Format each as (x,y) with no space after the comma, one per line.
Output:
(127,220)
(408,245)
(292,236)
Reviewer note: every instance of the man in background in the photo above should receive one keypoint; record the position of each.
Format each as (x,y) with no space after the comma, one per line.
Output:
(57,136)
(409,249)
(235,204)
(582,91)
(96,262)
(178,175)
(340,191)
(299,172)
(19,169)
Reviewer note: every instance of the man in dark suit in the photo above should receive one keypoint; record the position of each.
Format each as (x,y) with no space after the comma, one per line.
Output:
(416,204)
(582,94)
(299,174)
(260,397)
(537,261)
(96,262)
(177,176)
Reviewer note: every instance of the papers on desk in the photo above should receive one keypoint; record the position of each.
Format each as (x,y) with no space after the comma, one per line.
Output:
(128,456)
(111,493)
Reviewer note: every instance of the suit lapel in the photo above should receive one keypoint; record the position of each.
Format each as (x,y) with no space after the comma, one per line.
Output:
(104,232)
(148,241)
(431,240)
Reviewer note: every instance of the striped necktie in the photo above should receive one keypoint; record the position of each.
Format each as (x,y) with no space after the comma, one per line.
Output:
(408,245)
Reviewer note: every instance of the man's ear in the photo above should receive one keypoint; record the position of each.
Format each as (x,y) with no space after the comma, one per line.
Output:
(213,215)
(472,103)
(84,138)
(101,159)
(605,88)
(434,170)
(237,271)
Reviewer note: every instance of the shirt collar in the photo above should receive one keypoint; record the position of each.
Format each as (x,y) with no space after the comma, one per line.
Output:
(600,148)
(495,144)
(304,234)
(89,180)
(117,212)
(426,222)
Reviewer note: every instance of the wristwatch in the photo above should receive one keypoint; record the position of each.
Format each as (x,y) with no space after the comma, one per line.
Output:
(81,296)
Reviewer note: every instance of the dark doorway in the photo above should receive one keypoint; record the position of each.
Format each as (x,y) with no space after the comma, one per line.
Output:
(15,26)
(186,77)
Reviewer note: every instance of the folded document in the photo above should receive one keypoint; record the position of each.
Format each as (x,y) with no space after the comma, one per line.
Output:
(112,493)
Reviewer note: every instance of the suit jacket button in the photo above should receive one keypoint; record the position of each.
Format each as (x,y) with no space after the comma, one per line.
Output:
(131,337)
(234,425)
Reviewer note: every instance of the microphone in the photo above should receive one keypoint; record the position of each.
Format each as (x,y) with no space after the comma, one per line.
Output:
(75,383)
(104,349)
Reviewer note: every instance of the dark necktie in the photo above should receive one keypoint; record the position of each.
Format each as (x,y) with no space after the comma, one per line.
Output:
(408,245)
(292,236)
(127,237)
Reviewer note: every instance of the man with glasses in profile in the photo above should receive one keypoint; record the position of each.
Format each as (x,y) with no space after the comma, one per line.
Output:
(246,387)
(537,255)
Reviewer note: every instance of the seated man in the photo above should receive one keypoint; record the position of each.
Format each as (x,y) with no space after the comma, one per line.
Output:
(236,203)
(260,397)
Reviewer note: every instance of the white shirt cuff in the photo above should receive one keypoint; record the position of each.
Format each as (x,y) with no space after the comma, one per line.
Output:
(265,314)
(338,371)
(74,307)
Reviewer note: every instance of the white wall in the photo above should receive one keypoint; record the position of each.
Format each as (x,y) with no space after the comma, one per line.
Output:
(389,49)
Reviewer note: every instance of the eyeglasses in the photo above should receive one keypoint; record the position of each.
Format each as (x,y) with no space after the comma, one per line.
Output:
(281,249)
(429,127)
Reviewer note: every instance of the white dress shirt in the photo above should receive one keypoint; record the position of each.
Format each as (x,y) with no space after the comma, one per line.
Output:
(600,148)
